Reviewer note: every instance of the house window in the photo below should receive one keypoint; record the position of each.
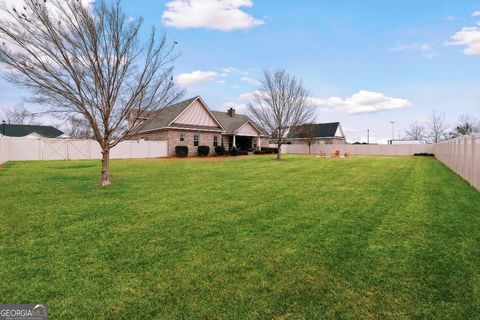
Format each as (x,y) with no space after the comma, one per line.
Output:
(215,141)
(196,138)
(181,137)
(222,141)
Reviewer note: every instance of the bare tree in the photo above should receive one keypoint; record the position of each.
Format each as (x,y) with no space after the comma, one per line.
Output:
(466,125)
(416,131)
(437,127)
(305,132)
(281,102)
(88,61)
(20,115)
(79,128)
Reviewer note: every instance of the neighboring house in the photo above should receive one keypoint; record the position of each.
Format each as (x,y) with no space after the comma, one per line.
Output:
(29,131)
(191,123)
(320,133)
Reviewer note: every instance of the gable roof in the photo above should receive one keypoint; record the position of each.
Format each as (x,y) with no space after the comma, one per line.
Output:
(232,124)
(22,130)
(165,118)
(202,103)
(320,130)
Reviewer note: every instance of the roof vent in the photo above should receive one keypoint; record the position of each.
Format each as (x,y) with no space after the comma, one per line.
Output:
(231,112)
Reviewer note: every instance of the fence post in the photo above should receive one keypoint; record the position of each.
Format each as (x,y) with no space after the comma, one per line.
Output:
(474,163)
(465,161)
(457,157)
(67,156)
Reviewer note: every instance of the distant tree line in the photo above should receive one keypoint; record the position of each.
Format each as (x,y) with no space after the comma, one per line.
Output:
(437,129)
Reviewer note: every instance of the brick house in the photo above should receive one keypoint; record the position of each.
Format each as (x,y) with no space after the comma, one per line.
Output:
(191,123)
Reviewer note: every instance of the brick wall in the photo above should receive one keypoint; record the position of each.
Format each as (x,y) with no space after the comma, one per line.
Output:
(173,138)
(206,139)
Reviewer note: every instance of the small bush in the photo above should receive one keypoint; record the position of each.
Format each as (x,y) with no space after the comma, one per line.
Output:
(181,151)
(269,150)
(234,152)
(220,150)
(203,151)
(243,153)
(258,152)
(423,154)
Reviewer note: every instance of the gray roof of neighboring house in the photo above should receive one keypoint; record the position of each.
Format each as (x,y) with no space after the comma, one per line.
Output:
(162,118)
(320,130)
(22,130)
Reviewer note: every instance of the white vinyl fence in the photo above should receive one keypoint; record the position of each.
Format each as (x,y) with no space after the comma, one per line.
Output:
(73,149)
(462,155)
(360,149)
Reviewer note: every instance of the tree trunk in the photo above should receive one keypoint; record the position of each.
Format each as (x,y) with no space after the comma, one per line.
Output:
(105,167)
(279,151)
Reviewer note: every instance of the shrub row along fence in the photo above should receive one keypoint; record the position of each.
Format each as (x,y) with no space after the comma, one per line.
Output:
(462,155)
(73,149)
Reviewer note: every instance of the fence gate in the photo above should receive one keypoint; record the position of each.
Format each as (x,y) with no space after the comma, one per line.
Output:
(78,149)
(54,149)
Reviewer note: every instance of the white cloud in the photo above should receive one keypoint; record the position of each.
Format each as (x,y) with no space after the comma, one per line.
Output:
(228,70)
(250,80)
(425,49)
(240,108)
(196,77)
(468,37)
(224,15)
(248,95)
(476,13)
(401,47)
(362,102)
(451,18)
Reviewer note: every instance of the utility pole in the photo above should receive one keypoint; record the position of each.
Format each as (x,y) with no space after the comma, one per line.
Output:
(393,130)
(4,124)
(368,136)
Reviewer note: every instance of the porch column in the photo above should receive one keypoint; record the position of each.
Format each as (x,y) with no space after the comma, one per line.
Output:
(234,144)
(259,144)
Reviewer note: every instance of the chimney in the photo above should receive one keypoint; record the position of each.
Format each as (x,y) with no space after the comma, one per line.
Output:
(231,112)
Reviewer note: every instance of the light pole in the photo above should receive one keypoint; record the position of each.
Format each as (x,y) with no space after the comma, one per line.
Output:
(368,136)
(393,130)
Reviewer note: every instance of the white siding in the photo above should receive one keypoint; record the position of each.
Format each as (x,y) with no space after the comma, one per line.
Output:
(247,130)
(197,114)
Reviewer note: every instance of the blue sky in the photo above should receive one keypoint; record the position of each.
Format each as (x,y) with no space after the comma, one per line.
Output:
(366,63)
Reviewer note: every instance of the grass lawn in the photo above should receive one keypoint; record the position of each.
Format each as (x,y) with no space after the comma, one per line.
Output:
(241,238)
